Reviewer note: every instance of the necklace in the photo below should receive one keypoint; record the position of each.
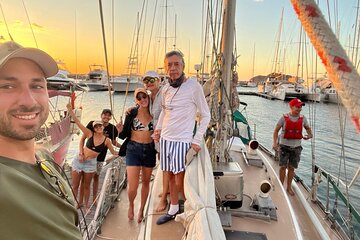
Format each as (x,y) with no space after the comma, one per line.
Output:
(169,105)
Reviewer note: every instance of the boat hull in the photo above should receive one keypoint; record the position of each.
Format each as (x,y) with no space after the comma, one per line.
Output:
(60,150)
(123,86)
(331,98)
(127,83)
(93,87)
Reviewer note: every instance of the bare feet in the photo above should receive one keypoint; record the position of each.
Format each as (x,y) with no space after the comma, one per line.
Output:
(131,213)
(140,216)
(162,205)
(290,191)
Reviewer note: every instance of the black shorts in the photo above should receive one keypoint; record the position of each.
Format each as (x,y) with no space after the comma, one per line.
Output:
(290,156)
(140,154)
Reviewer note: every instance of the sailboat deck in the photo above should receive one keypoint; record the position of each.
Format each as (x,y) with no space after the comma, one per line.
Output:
(253,175)
(117,226)
(307,227)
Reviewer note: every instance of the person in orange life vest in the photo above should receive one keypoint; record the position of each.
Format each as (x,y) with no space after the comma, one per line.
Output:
(289,141)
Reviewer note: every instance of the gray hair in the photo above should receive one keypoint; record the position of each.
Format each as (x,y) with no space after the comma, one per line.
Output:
(175,53)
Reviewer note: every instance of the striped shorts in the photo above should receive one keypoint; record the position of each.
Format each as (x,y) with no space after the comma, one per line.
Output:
(172,155)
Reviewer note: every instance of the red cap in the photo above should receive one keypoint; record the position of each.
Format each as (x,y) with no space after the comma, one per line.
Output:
(296,102)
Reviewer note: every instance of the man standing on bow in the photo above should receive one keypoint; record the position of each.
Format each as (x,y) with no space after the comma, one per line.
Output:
(289,143)
(36,202)
(182,98)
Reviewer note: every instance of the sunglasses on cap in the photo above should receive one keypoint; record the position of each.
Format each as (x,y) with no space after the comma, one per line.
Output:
(148,80)
(141,96)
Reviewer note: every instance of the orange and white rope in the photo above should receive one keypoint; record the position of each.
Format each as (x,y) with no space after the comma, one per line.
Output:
(341,71)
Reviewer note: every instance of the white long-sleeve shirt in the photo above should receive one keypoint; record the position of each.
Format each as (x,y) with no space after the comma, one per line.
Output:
(179,108)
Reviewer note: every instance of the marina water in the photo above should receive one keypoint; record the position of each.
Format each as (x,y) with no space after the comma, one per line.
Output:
(262,115)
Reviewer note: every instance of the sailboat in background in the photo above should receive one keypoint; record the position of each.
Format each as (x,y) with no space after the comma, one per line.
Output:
(251,82)
(327,91)
(276,76)
(130,81)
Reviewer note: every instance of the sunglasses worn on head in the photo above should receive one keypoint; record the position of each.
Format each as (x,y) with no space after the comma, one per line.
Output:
(52,179)
(149,80)
(141,96)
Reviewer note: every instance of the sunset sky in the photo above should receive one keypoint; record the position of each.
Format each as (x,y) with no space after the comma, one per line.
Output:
(61,27)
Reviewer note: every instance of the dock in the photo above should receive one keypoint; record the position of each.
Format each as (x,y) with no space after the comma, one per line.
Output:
(263,95)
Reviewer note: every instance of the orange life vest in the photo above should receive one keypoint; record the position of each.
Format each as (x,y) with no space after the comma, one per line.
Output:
(293,130)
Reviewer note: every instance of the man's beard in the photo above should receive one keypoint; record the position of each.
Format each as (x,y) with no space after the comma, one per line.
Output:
(26,132)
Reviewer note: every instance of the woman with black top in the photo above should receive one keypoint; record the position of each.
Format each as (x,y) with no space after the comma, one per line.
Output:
(84,165)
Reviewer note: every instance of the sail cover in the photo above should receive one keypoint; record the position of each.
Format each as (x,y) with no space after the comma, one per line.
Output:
(200,217)
(242,124)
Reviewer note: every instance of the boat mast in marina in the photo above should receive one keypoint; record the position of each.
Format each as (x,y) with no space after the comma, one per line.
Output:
(227,66)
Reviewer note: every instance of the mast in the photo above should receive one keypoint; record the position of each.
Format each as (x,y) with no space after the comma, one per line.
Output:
(276,60)
(165,40)
(175,33)
(227,47)
(253,63)
(76,49)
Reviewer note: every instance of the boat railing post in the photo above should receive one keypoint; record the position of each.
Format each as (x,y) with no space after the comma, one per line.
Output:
(254,130)
(327,195)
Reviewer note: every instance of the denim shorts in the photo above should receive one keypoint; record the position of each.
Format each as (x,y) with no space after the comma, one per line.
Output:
(290,156)
(140,154)
(88,166)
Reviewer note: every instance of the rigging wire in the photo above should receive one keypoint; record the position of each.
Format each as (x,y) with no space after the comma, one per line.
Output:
(356,36)
(204,34)
(151,33)
(7,27)
(105,52)
(134,53)
(313,122)
(144,12)
(113,35)
(342,121)
(342,115)
(76,49)
(28,18)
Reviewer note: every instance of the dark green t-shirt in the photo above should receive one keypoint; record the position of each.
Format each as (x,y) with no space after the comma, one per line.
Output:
(30,208)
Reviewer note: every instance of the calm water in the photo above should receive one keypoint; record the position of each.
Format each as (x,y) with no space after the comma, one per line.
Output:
(264,114)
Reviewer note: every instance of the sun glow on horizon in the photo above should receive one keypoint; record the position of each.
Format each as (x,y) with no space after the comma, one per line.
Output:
(71,31)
